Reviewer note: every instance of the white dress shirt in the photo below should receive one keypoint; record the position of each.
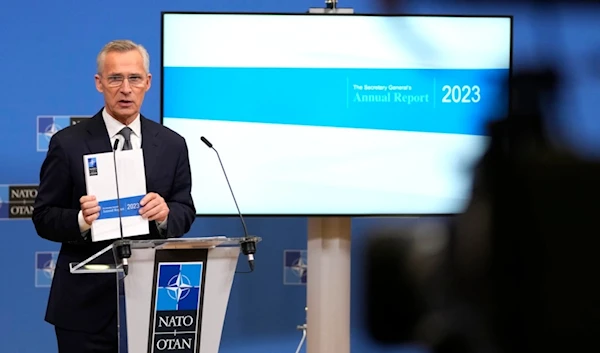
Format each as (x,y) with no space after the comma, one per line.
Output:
(113,127)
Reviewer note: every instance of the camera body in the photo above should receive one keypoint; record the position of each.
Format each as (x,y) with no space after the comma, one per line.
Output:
(514,272)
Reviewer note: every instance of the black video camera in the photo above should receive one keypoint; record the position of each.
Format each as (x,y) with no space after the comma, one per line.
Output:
(516,271)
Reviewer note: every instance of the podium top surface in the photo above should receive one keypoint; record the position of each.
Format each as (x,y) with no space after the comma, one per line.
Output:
(185,243)
(102,264)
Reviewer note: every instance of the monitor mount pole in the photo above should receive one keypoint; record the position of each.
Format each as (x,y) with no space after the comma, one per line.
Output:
(328,268)
(331,7)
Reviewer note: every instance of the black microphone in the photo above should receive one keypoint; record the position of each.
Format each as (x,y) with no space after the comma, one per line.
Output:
(248,245)
(123,250)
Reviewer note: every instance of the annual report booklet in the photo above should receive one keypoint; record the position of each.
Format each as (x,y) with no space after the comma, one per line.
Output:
(101,181)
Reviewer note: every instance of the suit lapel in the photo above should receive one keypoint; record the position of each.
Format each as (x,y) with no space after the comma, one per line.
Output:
(151,148)
(98,141)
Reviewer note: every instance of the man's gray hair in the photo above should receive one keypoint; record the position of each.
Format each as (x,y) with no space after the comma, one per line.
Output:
(122,46)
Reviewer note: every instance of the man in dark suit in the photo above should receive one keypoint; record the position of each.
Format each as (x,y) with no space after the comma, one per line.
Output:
(83,307)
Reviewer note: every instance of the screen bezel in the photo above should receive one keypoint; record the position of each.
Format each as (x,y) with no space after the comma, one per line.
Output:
(353,215)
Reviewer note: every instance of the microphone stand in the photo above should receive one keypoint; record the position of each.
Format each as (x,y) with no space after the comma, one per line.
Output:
(248,245)
(123,249)
(303,328)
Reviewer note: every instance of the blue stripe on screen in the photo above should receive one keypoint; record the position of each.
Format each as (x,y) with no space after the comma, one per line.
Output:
(388,99)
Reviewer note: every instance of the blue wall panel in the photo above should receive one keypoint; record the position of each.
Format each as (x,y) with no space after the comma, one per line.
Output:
(47,62)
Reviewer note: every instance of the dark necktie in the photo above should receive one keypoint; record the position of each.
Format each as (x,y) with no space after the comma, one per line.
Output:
(126,133)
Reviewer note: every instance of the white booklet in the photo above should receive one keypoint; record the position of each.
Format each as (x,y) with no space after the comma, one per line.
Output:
(102,182)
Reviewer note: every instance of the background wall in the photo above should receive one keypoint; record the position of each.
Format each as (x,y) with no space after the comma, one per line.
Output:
(47,62)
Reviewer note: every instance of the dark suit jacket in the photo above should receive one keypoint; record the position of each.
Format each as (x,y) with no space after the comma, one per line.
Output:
(88,301)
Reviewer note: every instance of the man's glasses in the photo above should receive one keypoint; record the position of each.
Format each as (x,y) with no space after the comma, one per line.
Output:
(117,80)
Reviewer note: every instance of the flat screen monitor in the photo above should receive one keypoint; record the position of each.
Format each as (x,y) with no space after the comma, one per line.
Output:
(350,115)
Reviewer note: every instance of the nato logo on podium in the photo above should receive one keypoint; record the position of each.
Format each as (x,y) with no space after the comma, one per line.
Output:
(176,322)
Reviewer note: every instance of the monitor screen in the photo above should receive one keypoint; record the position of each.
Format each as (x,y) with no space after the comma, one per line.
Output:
(349,115)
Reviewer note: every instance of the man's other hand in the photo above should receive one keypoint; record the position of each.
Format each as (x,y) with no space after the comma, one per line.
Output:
(89,208)
(154,207)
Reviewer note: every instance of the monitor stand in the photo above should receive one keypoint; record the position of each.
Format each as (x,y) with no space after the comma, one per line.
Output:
(328,270)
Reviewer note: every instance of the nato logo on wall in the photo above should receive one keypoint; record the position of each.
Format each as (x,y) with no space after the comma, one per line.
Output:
(16,201)
(45,263)
(295,266)
(48,125)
